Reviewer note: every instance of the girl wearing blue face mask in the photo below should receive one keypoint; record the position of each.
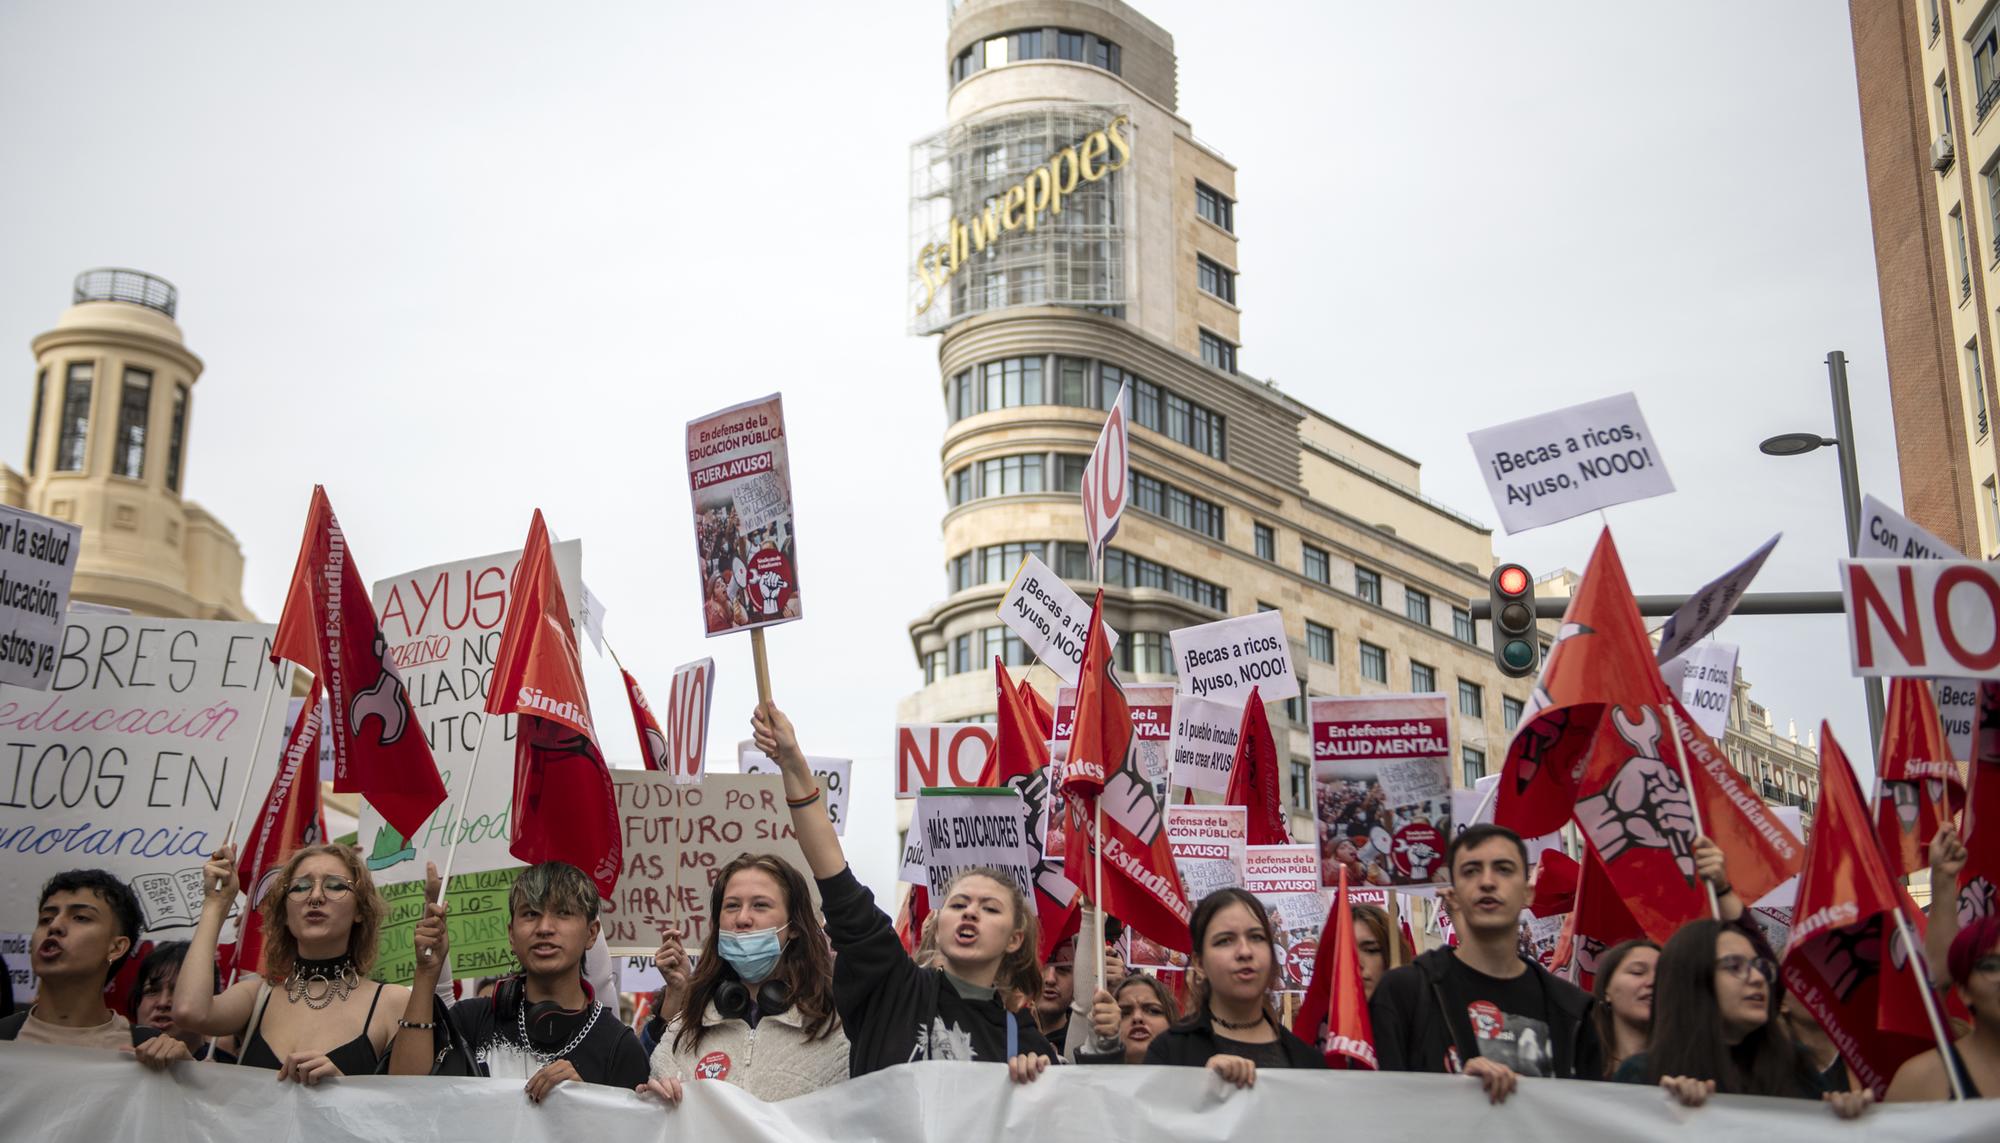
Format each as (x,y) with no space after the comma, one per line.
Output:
(758,1010)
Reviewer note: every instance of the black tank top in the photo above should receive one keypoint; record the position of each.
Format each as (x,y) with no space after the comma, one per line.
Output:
(1956,1063)
(357,1057)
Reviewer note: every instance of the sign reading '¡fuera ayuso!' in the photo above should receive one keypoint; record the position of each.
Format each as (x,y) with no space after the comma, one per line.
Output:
(1021,206)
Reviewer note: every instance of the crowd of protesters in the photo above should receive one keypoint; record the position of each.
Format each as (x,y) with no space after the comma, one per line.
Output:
(834,993)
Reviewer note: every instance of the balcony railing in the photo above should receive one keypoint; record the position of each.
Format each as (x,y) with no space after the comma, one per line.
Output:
(134,286)
(1965,285)
(1988,96)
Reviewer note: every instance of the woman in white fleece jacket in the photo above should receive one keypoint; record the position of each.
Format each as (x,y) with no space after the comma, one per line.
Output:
(758,1012)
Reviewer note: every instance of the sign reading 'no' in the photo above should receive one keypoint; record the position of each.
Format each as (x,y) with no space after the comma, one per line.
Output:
(1923,617)
(1107,481)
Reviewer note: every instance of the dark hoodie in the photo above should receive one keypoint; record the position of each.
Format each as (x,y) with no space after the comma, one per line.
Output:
(893,1011)
(1418,1029)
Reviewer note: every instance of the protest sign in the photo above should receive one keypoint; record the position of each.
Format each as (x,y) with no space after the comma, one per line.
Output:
(443,626)
(1705,610)
(1286,878)
(1055,839)
(702,828)
(1382,785)
(134,758)
(1557,465)
(1204,743)
(940,754)
(1957,705)
(1208,844)
(1926,618)
(1888,534)
(739,477)
(1107,480)
(954,830)
(836,776)
(1224,659)
(1049,617)
(1705,679)
(14,961)
(1152,707)
(688,704)
(38,559)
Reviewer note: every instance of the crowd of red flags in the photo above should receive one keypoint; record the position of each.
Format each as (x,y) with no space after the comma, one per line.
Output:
(565,808)
(328,626)
(289,818)
(1333,1014)
(1919,784)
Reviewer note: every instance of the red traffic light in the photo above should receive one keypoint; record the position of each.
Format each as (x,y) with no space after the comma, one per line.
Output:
(1513,579)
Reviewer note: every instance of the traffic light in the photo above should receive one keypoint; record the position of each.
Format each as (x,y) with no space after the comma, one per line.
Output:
(1513,611)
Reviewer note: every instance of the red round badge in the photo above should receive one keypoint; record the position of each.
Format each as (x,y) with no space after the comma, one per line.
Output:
(769,583)
(1418,849)
(714,1065)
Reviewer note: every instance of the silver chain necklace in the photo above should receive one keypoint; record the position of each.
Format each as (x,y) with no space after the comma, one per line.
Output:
(547,1058)
(338,979)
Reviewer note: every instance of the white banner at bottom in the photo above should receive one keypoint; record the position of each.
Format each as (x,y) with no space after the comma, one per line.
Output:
(75,1093)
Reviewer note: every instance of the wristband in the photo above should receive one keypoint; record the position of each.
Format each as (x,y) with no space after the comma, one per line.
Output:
(1724,890)
(802,803)
(416,1026)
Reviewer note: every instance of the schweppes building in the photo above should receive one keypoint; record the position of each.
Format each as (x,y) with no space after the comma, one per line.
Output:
(1070,234)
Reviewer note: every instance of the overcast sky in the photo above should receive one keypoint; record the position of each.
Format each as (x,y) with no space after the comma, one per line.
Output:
(457,261)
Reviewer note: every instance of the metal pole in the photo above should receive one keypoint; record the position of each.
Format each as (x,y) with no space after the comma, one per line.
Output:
(1850,501)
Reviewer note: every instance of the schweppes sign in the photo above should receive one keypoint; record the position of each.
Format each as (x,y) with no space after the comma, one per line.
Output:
(1024,204)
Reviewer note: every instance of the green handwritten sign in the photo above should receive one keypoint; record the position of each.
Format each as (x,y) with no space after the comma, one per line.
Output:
(478,924)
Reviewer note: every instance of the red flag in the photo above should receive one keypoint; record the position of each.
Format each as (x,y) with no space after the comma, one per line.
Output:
(910,918)
(1334,1013)
(1917,777)
(1762,851)
(328,627)
(1556,876)
(652,744)
(1845,961)
(1598,919)
(1142,884)
(1253,777)
(564,805)
(288,820)
(1979,881)
(1020,758)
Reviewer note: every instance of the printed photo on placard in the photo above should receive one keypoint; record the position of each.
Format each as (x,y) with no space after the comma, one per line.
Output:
(1382,787)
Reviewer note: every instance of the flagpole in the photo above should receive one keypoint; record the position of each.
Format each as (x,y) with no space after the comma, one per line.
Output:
(1930,1003)
(763,666)
(256,749)
(458,814)
(1694,803)
(1097,883)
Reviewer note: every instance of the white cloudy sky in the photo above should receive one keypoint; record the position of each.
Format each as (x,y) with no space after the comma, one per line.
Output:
(459,260)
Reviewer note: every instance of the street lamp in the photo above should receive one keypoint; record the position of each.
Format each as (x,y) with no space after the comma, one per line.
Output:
(1798,444)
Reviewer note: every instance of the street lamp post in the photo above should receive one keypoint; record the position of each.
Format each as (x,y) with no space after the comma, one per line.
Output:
(1798,444)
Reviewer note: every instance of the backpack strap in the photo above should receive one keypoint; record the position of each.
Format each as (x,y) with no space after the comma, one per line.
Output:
(256,1019)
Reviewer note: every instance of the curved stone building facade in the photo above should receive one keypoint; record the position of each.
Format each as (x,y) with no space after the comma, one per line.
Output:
(111,419)
(1244,498)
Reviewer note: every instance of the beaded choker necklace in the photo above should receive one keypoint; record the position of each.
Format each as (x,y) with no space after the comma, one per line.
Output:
(321,982)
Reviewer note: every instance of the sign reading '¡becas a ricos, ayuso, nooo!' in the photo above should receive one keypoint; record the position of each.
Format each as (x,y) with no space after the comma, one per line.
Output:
(1021,206)
(1557,465)
(740,479)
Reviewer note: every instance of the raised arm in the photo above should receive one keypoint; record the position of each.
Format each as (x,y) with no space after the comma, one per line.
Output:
(1947,858)
(775,737)
(196,1006)
(1710,865)
(414,1046)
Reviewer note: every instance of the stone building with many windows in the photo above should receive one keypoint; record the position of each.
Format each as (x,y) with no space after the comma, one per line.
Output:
(111,413)
(1072,238)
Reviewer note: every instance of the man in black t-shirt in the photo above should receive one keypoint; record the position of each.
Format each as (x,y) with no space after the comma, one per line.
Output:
(1482,1009)
(542,1026)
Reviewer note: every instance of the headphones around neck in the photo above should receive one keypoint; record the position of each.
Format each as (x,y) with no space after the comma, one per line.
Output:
(732,996)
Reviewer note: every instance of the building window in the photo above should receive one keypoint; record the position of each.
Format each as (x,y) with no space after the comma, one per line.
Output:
(1471,699)
(1069,472)
(135,399)
(934,667)
(1423,677)
(1025,44)
(1211,204)
(1374,662)
(1319,642)
(1104,54)
(1295,707)
(1992,177)
(961,654)
(1986,69)
(1368,586)
(1316,565)
(1975,380)
(1002,643)
(75,427)
(995,563)
(1475,764)
(1145,653)
(1069,46)
(1964,262)
(1123,569)
(1021,381)
(1462,628)
(1302,786)
(1216,279)
(1992,509)
(176,432)
(1175,505)
(1511,710)
(1010,475)
(1267,543)
(1416,606)
(1217,353)
(35,421)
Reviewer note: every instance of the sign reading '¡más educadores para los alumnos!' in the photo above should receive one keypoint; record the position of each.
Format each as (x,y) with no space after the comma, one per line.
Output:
(1557,465)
